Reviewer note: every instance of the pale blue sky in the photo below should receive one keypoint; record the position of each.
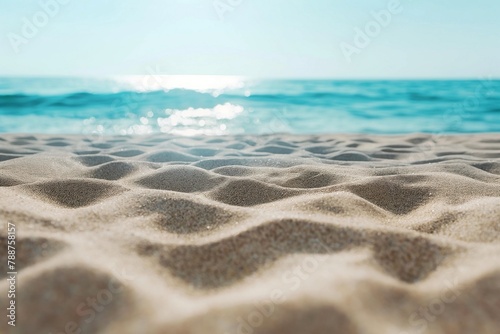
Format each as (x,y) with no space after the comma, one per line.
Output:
(262,38)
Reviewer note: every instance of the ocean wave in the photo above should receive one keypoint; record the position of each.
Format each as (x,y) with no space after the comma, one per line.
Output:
(296,106)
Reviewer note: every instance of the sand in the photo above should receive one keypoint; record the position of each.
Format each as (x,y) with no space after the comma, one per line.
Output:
(252,234)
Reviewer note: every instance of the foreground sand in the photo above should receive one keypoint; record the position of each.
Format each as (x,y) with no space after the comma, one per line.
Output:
(269,234)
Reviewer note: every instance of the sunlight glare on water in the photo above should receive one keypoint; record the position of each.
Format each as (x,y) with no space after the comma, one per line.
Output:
(215,84)
(200,121)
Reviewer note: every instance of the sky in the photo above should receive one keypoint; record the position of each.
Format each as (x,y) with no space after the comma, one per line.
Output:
(258,38)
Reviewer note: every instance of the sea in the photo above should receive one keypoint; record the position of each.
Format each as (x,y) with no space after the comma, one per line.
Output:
(220,105)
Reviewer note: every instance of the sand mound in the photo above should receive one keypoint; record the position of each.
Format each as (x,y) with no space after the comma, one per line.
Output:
(253,234)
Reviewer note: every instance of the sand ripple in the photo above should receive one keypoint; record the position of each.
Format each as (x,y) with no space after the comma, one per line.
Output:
(242,234)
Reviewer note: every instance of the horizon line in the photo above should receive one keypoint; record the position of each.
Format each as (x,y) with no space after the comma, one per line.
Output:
(291,78)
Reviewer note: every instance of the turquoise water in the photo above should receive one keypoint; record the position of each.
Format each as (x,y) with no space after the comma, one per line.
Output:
(230,105)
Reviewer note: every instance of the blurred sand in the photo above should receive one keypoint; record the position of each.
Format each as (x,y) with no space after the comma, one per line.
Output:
(253,234)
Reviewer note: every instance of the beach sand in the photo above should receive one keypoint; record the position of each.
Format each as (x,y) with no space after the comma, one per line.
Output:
(252,234)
